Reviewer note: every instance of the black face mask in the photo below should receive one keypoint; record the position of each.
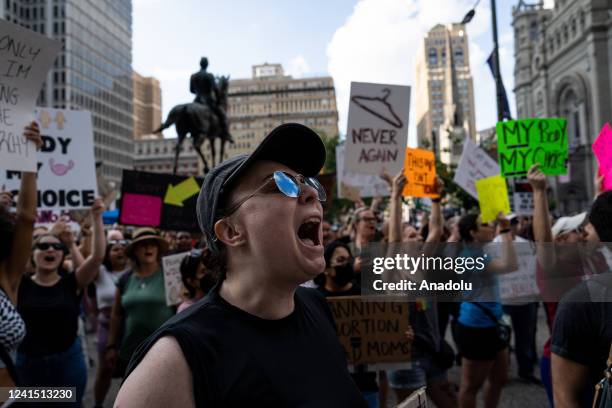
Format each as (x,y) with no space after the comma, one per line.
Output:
(344,274)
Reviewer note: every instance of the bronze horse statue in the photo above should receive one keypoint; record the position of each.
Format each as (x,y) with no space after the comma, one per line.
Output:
(197,120)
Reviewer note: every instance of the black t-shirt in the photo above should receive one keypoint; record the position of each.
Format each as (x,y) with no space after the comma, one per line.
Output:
(583,328)
(237,359)
(51,315)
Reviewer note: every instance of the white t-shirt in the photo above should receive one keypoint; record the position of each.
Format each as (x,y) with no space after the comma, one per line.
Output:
(106,284)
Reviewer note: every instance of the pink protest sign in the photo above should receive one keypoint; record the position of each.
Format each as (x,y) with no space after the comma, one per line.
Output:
(139,209)
(602,147)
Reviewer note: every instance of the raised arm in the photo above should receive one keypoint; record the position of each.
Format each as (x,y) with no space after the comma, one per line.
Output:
(87,272)
(61,229)
(508,261)
(542,231)
(395,205)
(436,222)
(21,246)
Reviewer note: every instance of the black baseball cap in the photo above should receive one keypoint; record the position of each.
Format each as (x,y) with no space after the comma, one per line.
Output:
(292,144)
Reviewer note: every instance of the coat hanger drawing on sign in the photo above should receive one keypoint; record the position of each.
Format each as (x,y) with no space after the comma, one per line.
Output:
(362,102)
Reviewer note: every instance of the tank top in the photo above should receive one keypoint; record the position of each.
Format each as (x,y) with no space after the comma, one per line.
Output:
(106,285)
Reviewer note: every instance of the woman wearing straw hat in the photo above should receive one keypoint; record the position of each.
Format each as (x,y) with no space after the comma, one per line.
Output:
(140,301)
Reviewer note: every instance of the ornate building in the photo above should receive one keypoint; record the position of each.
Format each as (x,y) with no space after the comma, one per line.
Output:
(563,68)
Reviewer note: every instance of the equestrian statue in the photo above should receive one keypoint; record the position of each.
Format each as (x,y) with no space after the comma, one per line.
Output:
(204,118)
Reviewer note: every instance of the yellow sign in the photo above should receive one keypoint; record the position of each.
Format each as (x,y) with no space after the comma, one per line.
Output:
(493,197)
(176,195)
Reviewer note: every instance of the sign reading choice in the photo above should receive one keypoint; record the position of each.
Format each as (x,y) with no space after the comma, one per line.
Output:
(377,131)
(371,332)
(523,143)
(66,165)
(25,58)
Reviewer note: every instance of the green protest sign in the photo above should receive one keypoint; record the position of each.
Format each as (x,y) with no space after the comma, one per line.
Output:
(522,143)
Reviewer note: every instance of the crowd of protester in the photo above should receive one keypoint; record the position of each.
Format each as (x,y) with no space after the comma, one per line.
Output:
(52,279)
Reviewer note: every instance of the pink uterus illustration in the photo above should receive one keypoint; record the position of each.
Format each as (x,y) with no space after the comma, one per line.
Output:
(60,169)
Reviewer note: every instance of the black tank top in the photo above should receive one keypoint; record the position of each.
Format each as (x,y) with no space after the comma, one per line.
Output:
(237,359)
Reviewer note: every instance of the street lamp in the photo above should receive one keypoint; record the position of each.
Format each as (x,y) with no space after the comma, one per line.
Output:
(498,82)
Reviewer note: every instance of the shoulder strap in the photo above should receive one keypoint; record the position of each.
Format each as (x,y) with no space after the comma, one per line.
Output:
(486,311)
(123,281)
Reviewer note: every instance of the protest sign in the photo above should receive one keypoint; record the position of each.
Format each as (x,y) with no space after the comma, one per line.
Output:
(159,200)
(25,58)
(602,147)
(522,143)
(371,332)
(353,185)
(66,165)
(474,164)
(522,198)
(420,171)
(377,131)
(521,283)
(492,197)
(173,284)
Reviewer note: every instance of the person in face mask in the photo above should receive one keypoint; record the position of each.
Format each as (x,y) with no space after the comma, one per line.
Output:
(339,274)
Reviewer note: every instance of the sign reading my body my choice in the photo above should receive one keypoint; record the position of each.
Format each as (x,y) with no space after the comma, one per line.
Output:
(377,132)
(25,58)
(522,143)
(66,165)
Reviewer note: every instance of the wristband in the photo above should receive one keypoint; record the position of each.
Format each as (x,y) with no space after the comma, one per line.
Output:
(436,200)
(505,230)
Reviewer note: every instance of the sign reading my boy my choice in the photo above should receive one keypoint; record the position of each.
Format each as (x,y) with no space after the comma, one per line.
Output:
(525,142)
(66,165)
(377,132)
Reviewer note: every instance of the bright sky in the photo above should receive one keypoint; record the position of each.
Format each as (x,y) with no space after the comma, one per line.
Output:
(351,40)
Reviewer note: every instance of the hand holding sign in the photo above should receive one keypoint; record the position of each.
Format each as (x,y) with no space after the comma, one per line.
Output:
(536,178)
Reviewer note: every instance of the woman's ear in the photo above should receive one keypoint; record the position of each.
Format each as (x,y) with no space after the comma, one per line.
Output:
(229,233)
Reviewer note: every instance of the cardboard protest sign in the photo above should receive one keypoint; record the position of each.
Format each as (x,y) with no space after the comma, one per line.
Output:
(159,200)
(377,131)
(371,332)
(522,143)
(420,171)
(66,165)
(522,198)
(602,147)
(474,164)
(492,197)
(173,283)
(25,59)
(353,185)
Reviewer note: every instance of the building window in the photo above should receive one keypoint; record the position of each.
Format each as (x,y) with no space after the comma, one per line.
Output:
(459,56)
(571,108)
(432,57)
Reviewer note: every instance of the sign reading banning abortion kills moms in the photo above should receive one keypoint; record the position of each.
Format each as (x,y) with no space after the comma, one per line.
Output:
(25,58)
(377,132)
(371,332)
(159,200)
(66,165)
(523,143)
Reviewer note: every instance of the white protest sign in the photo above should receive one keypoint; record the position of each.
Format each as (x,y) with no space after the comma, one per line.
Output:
(25,59)
(377,133)
(173,283)
(67,169)
(522,282)
(354,185)
(522,198)
(474,164)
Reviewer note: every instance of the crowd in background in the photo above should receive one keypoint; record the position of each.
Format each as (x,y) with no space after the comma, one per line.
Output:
(57,284)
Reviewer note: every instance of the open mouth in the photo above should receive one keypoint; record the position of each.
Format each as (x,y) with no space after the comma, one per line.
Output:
(308,232)
(49,258)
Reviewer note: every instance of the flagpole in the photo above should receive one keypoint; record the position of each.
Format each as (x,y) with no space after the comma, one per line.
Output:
(498,82)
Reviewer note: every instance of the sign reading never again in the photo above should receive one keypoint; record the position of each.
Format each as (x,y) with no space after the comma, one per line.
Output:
(371,332)
(159,200)
(522,143)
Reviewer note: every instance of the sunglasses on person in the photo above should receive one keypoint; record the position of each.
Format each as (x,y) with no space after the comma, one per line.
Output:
(123,242)
(286,183)
(43,246)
